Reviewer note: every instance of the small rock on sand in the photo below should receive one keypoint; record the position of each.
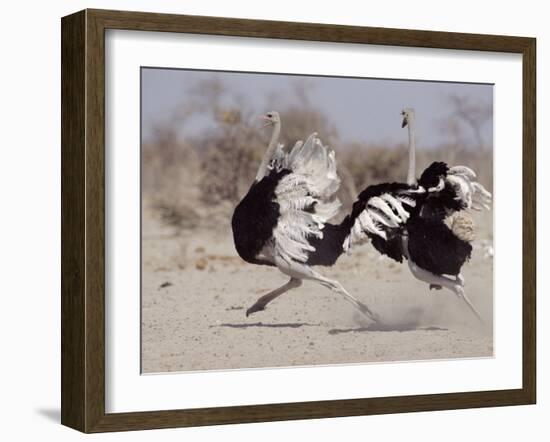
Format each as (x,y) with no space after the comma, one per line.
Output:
(201,263)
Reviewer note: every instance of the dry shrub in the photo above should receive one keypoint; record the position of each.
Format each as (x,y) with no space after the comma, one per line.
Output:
(233,153)
(229,161)
(376,164)
(171,173)
(298,122)
(199,179)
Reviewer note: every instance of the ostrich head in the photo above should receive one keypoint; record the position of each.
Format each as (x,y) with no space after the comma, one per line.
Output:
(408,116)
(271,118)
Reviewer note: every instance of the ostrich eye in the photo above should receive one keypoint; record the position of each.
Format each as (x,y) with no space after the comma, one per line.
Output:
(269,115)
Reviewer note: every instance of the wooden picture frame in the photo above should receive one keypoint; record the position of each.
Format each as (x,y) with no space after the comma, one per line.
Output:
(83,220)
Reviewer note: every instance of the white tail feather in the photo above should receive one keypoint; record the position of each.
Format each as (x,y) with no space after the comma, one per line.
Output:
(463,170)
(305,197)
(470,192)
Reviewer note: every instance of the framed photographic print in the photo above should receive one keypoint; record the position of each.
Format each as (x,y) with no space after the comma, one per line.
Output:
(270,220)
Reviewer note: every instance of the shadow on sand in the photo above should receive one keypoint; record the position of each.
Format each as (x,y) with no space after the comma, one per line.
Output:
(261,324)
(380,327)
(412,326)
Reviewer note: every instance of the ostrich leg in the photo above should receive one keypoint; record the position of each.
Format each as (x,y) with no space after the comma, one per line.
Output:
(437,281)
(335,286)
(454,285)
(302,271)
(262,302)
(459,290)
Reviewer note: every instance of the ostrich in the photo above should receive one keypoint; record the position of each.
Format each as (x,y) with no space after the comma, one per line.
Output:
(423,222)
(283,219)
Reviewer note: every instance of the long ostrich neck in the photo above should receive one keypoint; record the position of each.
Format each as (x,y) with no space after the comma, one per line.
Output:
(411,175)
(271,148)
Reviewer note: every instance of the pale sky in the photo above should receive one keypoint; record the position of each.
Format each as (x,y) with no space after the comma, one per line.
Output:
(363,110)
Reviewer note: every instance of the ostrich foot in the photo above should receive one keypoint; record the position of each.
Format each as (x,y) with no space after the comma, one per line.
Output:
(459,291)
(435,287)
(255,308)
(455,285)
(368,312)
(261,303)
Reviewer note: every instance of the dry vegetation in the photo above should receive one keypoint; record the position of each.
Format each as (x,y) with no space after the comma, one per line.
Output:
(199,179)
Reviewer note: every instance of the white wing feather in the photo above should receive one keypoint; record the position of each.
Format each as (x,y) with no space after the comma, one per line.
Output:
(396,205)
(306,199)
(382,205)
(471,193)
(381,215)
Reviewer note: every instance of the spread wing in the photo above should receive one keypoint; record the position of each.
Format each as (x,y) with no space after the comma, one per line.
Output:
(380,213)
(305,197)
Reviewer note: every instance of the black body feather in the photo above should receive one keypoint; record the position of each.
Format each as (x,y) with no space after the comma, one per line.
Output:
(391,247)
(432,245)
(432,173)
(439,204)
(255,217)
(328,248)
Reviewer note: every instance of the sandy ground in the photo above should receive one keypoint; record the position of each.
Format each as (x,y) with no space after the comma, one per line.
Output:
(195,291)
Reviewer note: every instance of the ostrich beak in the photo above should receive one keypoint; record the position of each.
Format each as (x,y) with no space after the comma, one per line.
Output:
(267,120)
